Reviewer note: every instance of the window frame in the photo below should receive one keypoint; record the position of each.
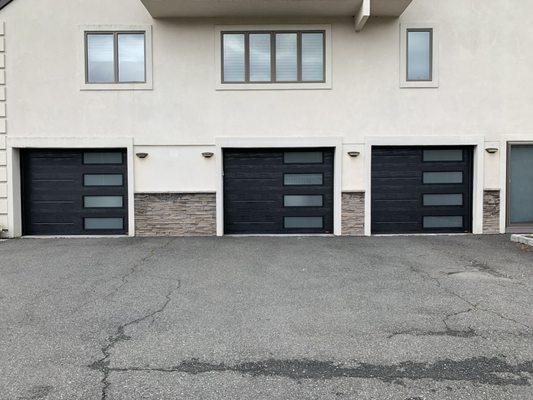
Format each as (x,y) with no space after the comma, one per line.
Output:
(220,84)
(405,28)
(273,33)
(115,30)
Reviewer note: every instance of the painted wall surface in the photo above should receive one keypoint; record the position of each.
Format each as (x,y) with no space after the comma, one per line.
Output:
(485,85)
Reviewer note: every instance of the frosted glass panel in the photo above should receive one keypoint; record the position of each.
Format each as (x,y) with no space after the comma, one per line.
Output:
(443,222)
(103,202)
(103,180)
(103,223)
(302,179)
(260,57)
(303,222)
(419,55)
(303,157)
(100,59)
(443,177)
(443,199)
(233,48)
(521,185)
(102,158)
(302,201)
(131,57)
(312,56)
(443,155)
(286,57)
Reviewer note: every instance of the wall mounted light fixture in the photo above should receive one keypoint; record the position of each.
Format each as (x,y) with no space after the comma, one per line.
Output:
(207,154)
(354,153)
(142,155)
(491,150)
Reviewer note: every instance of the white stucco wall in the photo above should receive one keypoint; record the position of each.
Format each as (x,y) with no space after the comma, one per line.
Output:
(485,87)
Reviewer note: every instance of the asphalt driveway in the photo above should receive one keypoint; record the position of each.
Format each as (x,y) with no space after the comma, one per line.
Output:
(446,317)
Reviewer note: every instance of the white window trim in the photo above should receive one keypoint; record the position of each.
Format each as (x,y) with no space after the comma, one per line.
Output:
(272,86)
(148,85)
(404,83)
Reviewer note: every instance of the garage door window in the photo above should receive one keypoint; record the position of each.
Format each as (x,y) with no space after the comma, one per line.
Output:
(443,199)
(303,201)
(104,223)
(443,222)
(102,158)
(443,177)
(433,155)
(303,179)
(103,202)
(303,157)
(103,180)
(303,222)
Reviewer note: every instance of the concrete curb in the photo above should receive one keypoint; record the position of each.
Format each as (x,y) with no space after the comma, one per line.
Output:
(524,239)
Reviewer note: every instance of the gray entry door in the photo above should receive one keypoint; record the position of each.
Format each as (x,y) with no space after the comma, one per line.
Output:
(520,188)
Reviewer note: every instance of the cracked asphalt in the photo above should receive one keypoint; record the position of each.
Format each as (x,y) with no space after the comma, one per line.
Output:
(403,318)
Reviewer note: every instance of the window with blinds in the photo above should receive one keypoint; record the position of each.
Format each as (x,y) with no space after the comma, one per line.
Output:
(273,57)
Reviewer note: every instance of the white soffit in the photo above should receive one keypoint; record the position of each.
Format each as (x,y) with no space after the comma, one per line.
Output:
(270,8)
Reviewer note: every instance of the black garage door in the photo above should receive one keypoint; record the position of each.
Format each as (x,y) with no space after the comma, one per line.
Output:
(74,192)
(280,191)
(421,189)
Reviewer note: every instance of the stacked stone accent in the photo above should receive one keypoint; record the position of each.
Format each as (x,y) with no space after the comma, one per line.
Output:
(353,213)
(491,212)
(175,214)
(3,134)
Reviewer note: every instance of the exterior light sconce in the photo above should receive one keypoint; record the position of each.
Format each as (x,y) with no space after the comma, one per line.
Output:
(142,155)
(207,154)
(354,153)
(492,150)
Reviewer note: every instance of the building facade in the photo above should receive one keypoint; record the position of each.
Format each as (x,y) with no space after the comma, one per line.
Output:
(345,117)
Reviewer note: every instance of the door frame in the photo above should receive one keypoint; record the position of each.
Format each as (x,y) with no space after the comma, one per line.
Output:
(15,144)
(512,228)
(281,142)
(477,142)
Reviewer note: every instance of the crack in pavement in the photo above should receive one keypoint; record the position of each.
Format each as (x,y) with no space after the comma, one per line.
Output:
(124,278)
(473,306)
(135,267)
(469,333)
(102,364)
(477,370)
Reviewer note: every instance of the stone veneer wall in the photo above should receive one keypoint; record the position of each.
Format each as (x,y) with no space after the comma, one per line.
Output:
(175,214)
(3,134)
(353,213)
(491,211)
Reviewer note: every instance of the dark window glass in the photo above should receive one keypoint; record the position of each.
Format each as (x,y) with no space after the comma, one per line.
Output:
(103,180)
(102,158)
(303,179)
(104,223)
(303,222)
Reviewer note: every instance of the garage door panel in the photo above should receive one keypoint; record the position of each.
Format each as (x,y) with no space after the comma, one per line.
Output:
(256,182)
(402,176)
(53,192)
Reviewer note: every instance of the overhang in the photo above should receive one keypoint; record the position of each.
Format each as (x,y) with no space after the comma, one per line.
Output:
(271,8)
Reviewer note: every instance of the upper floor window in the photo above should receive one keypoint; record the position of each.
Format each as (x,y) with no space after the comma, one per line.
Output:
(419,56)
(115,57)
(273,57)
